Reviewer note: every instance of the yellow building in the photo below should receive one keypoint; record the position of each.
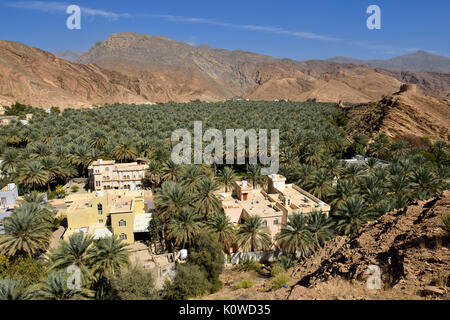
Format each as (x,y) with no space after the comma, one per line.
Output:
(104,213)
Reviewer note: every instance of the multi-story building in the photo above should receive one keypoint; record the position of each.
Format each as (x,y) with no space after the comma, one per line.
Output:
(109,175)
(273,205)
(112,212)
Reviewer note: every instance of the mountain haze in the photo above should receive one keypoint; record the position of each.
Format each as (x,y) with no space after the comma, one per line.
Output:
(420,61)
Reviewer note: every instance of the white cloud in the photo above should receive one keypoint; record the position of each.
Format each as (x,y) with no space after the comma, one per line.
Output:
(60,7)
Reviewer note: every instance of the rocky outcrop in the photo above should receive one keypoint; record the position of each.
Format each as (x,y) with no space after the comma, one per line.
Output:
(410,247)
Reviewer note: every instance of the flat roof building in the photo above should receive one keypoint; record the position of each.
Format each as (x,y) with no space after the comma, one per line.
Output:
(105,213)
(109,175)
(273,205)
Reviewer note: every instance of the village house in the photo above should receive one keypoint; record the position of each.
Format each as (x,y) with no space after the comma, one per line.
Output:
(273,205)
(109,175)
(8,197)
(123,213)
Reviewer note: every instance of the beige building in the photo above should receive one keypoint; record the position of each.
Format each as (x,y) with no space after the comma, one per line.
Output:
(273,205)
(109,175)
(104,213)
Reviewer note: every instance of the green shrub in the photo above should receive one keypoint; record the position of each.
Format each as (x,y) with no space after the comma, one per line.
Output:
(446,221)
(279,281)
(286,262)
(276,269)
(189,282)
(133,284)
(244,284)
(248,264)
(60,192)
(30,270)
(75,189)
(207,253)
(4,265)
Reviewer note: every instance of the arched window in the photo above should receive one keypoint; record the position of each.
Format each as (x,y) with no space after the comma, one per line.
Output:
(122,223)
(123,236)
(100,209)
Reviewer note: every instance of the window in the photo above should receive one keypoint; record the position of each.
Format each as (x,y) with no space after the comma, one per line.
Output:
(100,209)
(275,222)
(100,221)
(264,223)
(122,223)
(123,236)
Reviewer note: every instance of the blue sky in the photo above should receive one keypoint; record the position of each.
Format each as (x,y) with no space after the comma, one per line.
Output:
(296,29)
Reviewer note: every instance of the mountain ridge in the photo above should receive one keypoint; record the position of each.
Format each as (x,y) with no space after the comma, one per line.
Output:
(419,61)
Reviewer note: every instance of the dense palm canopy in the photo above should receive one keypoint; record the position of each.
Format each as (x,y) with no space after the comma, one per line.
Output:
(54,148)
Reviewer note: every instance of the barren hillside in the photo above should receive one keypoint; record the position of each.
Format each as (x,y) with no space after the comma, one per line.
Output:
(403,115)
(137,68)
(410,247)
(37,77)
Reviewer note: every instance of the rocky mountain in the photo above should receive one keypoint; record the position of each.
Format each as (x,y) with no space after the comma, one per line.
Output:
(39,78)
(69,55)
(420,61)
(138,68)
(410,247)
(405,115)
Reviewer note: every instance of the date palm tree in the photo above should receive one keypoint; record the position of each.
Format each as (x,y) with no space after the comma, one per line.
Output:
(55,287)
(125,151)
(15,289)
(153,174)
(220,224)
(204,201)
(295,237)
(252,235)
(424,184)
(185,226)
(191,174)
(171,171)
(26,232)
(227,178)
(169,201)
(344,190)
(11,158)
(352,214)
(78,250)
(320,184)
(31,173)
(321,227)
(110,255)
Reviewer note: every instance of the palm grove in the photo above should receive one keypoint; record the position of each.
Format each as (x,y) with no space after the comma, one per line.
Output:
(56,147)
